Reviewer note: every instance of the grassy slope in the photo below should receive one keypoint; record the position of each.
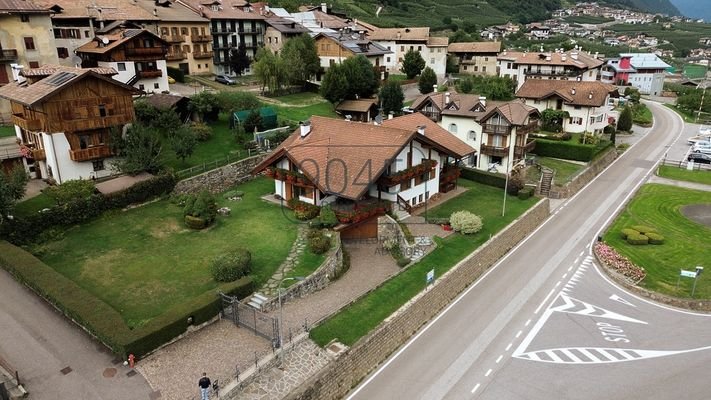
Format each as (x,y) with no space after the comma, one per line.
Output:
(686,241)
(7,131)
(565,170)
(365,314)
(684,175)
(143,261)
(683,36)
(33,205)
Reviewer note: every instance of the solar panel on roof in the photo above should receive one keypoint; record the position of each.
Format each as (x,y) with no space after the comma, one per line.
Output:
(60,78)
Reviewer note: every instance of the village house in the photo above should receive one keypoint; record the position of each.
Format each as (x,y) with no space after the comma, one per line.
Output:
(574,65)
(649,72)
(433,49)
(404,161)
(138,56)
(538,31)
(617,71)
(334,48)
(361,110)
(279,30)
(476,58)
(587,103)
(64,116)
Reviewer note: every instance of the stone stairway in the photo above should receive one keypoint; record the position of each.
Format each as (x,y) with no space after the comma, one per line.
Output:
(400,214)
(546,181)
(257,300)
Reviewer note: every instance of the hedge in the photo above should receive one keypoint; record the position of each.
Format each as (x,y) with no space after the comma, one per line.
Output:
(637,239)
(100,319)
(484,177)
(569,151)
(27,229)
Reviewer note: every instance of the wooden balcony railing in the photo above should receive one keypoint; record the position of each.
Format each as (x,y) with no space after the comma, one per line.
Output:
(174,38)
(494,129)
(175,55)
(201,38)
(145,51)
(8,55)
(495,150)
(202,54)
(26,124)
(520,151)
(156,73)
(90,153)
(530,127)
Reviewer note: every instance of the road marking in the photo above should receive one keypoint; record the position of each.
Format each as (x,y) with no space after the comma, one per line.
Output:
(575,306)
(527,322)
(518,334)
(544,301)
(571,267)
(488,372)
(582,252)
(564,275)
(598,355)
(621,300)
(476,387)
(508,347)
(499,359)
(557,284)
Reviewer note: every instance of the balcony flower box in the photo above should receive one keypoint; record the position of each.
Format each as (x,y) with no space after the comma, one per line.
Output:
(270,172)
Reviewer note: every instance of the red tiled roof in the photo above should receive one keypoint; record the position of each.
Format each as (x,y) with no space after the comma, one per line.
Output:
(590,94)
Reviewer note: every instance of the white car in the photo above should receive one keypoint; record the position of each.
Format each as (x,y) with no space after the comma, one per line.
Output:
(705,130)
(703,138)
(701,148)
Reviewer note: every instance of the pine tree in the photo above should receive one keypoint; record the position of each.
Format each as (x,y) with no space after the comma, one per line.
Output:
(412,64)
(428,80)
(625,121)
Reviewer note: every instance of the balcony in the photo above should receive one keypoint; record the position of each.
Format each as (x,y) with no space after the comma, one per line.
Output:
(493,129)
(90,153)
(202,54)
(39,154)
(175,56)
(221,31)
(494,150)
(555,73)
(201,38)
(254,45)
(173,38)
(250,31)
(145,51)
(408,173)
(520,151)
(530,127)
(8,55)
(156,73)
(26,124)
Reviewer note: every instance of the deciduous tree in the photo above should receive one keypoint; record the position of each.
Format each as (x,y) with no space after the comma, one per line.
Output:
(392,97)
(300,54)
(12,188)
(238,59)
(334,86)
(139,150)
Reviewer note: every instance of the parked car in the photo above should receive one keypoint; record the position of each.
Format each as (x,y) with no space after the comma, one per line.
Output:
(705,130)
(225,80)
(701,138)
(700,158)
(701,148)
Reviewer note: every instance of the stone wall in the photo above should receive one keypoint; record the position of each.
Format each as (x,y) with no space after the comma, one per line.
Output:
(389,229)
(329,269)
(588,174)
(220,179)
(334,381)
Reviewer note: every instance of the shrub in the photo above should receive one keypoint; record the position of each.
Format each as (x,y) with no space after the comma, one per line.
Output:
(202,131)
(75,189)
(319,243)
(627,232)
(195,222)
(654,238)
(203,207)
(327,217)
(231,266)
(402,261)
(589,138)
(233,193)
(302,210)
(438,221)
(569,151)
(637,239)
(525,193)
(465,222)
(610,129)
(515,183)
(643,229)
(485,177)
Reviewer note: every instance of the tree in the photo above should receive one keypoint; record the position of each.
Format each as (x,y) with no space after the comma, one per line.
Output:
(270,70)
(184,142)
(466,85)
(553,120)
(633,94)
(205,105)
(412,64)
(253,121)
(428,80)
(361,77)
(624,123)
(237,101)
(334,86)
(300,54)
(74,189)
(391,97)
(166,121)
(12,188)
(139,149)
(238,60)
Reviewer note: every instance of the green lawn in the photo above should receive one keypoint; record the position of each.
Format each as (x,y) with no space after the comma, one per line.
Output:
(144,261)
(33,205)
(7,131)
(686,241)
(300,99)
(296,114)
(642,115)
(564,170)
(680,174)
(685,115)
(361,317)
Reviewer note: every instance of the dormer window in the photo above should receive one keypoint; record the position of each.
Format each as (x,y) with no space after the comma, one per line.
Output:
(215,7)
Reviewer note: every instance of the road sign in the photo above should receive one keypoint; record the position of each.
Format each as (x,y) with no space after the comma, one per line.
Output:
(430,276)
(688,274)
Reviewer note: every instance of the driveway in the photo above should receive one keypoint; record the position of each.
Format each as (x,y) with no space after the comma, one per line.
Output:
(55,358)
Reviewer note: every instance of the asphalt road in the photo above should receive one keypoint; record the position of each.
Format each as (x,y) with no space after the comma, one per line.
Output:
(57,360)
(545,322)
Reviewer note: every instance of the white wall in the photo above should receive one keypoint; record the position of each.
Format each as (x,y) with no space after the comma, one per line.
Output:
(428,53)
(648,83)
(56,149)
(464,126)
(130,72)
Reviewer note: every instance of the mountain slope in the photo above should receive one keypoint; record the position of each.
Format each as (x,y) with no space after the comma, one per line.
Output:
(652,6)
(694,8)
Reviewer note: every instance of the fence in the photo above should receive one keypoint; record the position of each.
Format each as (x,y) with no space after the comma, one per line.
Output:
(262,324)
(264,137)
(684,165)
(9,379)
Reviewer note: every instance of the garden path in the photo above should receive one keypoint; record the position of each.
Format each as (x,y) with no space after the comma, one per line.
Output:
(297,249)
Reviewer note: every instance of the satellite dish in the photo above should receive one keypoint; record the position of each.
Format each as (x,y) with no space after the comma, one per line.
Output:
(76,60)
(105,40)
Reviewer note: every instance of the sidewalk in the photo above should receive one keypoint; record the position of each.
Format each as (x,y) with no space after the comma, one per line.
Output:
(683,184)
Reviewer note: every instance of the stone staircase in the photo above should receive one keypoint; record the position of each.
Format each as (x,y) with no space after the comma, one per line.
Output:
(546,181)
(400,214)
(257,300)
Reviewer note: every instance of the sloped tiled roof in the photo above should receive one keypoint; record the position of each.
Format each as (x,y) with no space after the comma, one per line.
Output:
(437,41)
(391,34)
(361,105)
(355,44)
(434,132)
(162,100)
(568,58)
(116,39)
(49,69)
(171,11)
(227,10)
(474,47)
(49,86)
(284,25)
(110,10)
(590,94)
(515,111)
(25,7)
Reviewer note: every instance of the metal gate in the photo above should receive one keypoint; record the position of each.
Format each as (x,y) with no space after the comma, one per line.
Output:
(243,315)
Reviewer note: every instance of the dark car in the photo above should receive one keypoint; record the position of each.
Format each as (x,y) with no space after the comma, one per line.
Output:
(225,79)
(700,158)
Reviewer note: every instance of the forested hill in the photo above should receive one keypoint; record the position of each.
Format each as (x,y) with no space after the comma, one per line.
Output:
(652,6)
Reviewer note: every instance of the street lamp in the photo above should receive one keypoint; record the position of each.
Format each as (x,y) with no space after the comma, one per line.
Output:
(281,309)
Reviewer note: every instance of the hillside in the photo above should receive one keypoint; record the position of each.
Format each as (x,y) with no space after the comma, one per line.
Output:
(694,8)
(652,6)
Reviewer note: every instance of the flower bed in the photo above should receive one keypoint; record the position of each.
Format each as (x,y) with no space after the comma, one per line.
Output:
(622,265)
(361,212)
(409,173)
(303,210)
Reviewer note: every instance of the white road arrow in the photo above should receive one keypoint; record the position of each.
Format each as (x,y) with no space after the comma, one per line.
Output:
(575,306)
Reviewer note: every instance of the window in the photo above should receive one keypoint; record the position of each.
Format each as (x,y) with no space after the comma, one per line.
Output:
(141,86)
(576,121)
(24,18)
(121,66)
(156,85)
(183,31)
(476,68)
(432,61)
(486,58)
(578,107)
(276,40)
(98,165)
(453,128)
(388,59)
(300,191)
(413,201)
(86,34)
(471,135)
(508,65)
(34,64)
(439,50)
(29,43)
(83,141)
(402,48)
(419,48)
(536,101)
(483,69)
(421,199)
(269,39)
(62,52)
(102,110)
(199,66)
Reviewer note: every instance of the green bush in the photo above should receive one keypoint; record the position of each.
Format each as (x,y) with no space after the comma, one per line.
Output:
(525,193)
(302,210)
(610,129)
(202,131)
(328,217)
(231,266)
(319,243)
(514,184)
(625,233)
(643,229)
(195,222)
(637,239)
(569,151)
(465,222)
(485,177)
(589,138)
(75,189)
(233,193)
(654,238)
(402,261)
(201,206)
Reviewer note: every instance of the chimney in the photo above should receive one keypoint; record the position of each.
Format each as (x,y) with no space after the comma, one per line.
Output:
(446,98)
(421,130)
(548,57)
(596,53)
(305,128)
(574,55)
(482,100)
(572,91)
(324,8)
(563,57)
(155,12)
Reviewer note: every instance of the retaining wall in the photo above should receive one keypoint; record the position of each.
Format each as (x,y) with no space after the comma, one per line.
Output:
(220,179)
(336,380)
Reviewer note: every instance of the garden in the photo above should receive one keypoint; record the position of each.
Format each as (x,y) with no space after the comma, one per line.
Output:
(356,320)
(680,174)
(661,232)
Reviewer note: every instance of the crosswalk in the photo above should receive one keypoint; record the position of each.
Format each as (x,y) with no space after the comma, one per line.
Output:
(583,355)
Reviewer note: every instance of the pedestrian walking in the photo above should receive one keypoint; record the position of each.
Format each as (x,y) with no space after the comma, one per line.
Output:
(204,384)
